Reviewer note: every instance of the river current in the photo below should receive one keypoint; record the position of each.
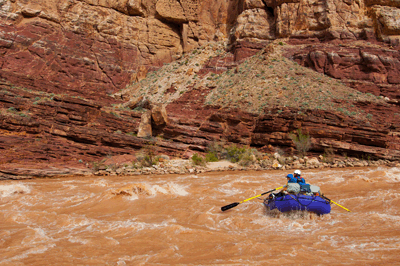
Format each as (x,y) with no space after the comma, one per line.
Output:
(177,220)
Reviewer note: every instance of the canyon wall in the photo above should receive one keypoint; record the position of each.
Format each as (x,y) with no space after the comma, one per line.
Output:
(96,47)
(54,52)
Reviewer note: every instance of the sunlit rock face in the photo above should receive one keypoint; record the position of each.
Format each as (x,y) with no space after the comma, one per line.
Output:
(95,47)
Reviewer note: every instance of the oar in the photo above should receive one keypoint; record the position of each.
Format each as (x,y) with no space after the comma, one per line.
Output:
(232,205)
(335,203)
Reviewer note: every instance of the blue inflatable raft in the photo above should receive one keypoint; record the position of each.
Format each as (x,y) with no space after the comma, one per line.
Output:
(293,202)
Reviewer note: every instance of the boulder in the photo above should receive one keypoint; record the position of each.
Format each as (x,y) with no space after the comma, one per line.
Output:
(250,4)
(313,161)
(159,115)
(255,23)
(276,164)
(140,102)
(145,125)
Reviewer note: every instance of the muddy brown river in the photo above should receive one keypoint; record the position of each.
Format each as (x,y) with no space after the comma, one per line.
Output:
(177,220)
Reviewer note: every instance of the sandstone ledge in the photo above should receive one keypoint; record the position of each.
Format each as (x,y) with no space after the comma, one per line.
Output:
(187,167)
(178,166)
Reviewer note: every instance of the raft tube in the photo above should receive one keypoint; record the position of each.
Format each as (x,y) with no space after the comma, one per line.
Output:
(293,202)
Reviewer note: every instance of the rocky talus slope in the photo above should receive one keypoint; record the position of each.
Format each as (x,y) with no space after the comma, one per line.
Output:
(245,71)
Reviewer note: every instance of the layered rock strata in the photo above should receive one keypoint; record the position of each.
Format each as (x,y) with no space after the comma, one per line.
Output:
(93,48)
(67,131)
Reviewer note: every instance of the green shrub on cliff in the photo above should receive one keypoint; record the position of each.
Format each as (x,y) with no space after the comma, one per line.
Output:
(198,160)
(147,157)
(234,153)
(301,141)
(217,149)
(211,157)
(247,158)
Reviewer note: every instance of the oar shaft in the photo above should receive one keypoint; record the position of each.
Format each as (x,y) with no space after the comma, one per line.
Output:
(336,203)
(251,198)
(340,206)
(232,205)
(260,195)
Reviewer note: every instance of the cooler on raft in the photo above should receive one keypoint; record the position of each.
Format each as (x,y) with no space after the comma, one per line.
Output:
(291,202)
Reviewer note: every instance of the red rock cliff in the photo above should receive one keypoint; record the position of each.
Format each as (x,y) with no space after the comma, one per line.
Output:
(94,48)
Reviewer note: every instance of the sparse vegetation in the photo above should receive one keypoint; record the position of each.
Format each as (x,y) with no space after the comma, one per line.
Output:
(211,157)
(329,155)
(216,149)
(234,153)
(301,141)
(198,160)
(265,80)
(146,157)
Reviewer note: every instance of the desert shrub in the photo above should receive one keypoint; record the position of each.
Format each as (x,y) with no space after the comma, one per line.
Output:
(211,157)
(198,160)
(258,155)
(113,167)
(95,166)
(217,149)
(247,158)
(329,155)
(282,160)
(280,151)
(147,156)
(301,141)
(234,153)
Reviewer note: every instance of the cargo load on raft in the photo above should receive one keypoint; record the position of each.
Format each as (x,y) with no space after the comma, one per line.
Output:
(295,197)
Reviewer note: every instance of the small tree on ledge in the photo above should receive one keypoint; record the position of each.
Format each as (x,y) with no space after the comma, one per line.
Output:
(301,141)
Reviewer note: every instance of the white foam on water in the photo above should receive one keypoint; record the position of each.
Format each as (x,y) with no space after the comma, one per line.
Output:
(179,229)
(78,240)
(361,246)
(100,183)
(132,197)
(334,240)
(228,190)
(75,223)
(10,190)
(133,224)
(153,190)
(156,188)
(293,253)
(375,244)
(35,250)
(177,189)
(77,200)
(392,174)
(267,223)
(386,217)
(138,259)
(112,240)
(337,179)
(295,226)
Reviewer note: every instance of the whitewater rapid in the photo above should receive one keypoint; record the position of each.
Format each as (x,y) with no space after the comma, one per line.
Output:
(176,219)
